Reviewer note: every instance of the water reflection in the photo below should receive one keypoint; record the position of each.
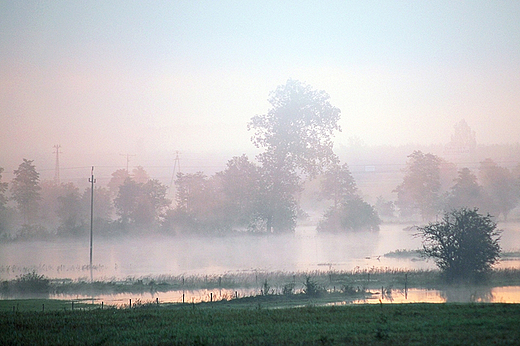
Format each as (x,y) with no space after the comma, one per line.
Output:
(507,294)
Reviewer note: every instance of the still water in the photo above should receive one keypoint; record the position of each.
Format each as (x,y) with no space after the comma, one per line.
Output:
(305,250)
(508,294)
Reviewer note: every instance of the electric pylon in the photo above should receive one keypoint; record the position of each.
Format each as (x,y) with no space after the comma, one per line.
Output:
(57,166)
(176,168)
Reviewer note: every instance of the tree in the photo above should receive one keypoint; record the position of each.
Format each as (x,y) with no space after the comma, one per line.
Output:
(384,208)
(501,187)
(241,183)
(69,211)
(25,190)
(139,175)
(118,179)
(421,185)
(3,190)
(464,245)
(296,134)
(103,209)
(126,200)
(141,204)
(466,192)
(199,205)
(4,214)
(338,184)
(151,203)
(351,215)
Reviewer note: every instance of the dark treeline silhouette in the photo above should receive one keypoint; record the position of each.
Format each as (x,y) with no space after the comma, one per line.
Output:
(265,195)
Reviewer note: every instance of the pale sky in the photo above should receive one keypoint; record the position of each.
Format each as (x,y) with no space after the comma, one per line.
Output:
(110,77)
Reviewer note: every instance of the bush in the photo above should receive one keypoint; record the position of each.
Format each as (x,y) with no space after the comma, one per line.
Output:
(31,283)
(352,215)
(312,288)
(464,245)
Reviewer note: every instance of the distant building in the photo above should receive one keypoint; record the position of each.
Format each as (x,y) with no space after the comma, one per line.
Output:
(463,141)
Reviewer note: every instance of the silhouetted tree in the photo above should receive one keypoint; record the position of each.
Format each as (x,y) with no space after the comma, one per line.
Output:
(25,190)
(421,184)
(296,134)
(464,245)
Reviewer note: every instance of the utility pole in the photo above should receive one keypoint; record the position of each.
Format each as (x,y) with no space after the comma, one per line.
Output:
(127,160)
(91,181)
(176,164)
(57,166)
(176,168)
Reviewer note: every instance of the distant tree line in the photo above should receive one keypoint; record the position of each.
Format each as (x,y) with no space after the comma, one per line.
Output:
(432,186)
(259,195)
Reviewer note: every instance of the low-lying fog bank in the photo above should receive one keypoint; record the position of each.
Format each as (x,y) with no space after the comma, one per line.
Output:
(305,250)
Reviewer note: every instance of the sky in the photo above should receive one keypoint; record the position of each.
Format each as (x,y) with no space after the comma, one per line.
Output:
(105,78)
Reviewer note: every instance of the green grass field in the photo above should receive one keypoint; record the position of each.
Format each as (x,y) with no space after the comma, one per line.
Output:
(221,324)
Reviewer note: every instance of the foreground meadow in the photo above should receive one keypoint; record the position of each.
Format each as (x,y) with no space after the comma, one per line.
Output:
(253,323)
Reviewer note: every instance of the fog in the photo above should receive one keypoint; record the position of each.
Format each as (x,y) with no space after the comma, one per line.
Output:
(151,79)
(121,85)
(303,251)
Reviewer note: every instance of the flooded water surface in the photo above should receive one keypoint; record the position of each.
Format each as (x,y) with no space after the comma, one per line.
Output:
(305,250)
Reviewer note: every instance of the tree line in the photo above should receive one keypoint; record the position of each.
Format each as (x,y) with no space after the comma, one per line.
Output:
(256,195)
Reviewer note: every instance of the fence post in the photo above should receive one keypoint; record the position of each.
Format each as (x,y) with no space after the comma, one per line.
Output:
(406,286)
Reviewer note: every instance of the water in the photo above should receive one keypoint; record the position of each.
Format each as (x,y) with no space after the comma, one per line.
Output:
(507,294)
(305,250)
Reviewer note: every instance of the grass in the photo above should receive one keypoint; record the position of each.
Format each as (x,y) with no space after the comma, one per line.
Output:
(278,282)
(37,305)
(218,324)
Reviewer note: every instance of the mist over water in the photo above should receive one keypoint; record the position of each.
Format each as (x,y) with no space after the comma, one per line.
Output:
(305,250)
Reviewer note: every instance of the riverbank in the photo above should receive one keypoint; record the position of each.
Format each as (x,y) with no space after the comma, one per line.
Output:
(503,285)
